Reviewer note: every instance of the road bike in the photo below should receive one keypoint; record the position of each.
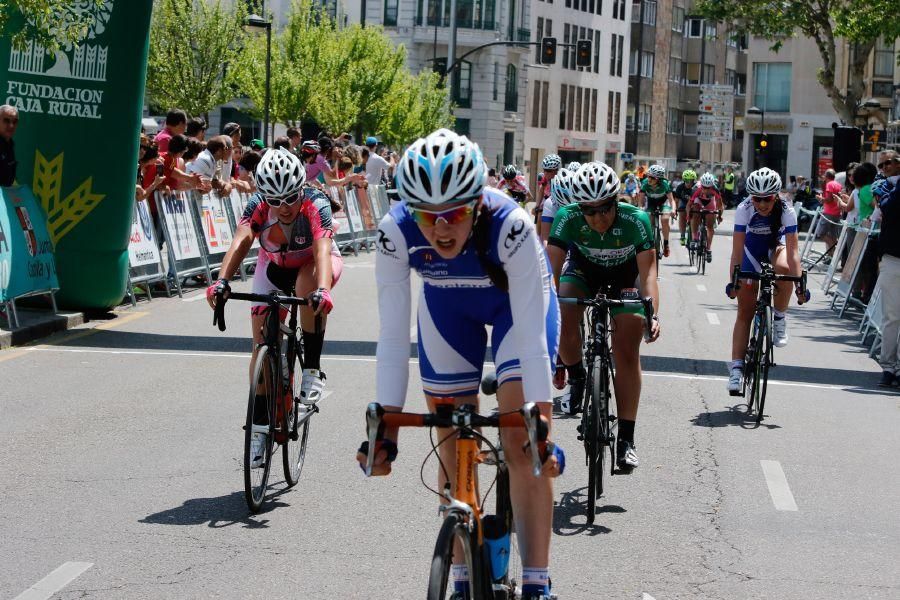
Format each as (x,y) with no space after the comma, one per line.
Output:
(702,245)
(276,375)
(759,356)
(486,542)
(656,214)
(597,430)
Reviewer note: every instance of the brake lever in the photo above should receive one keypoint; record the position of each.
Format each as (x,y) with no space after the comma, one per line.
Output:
(530,412)
(219,312)
(373,426)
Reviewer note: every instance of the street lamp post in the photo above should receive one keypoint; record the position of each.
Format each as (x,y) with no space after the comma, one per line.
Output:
(256,22)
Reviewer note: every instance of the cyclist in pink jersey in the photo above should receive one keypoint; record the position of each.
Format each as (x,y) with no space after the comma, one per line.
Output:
(705,197)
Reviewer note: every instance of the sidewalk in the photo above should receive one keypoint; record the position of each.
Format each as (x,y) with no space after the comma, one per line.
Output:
(35,323)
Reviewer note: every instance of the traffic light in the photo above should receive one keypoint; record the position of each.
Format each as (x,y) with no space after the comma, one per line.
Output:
(583,53)
(846,147)
(548,51)
(764,142)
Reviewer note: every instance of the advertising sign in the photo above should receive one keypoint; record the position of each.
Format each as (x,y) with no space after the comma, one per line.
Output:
(216,228)
(176,212)
(142,245)
(77,141)
(26,252)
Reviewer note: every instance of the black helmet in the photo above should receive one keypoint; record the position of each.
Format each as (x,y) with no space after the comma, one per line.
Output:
(510,172)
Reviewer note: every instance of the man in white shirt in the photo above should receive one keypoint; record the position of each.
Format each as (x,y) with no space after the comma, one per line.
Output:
(375,165)
(206,163)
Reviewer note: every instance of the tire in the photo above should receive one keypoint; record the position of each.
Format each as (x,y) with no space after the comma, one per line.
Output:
(756,394)
(594,435)
(765,360)
(297,427)
(439,585)
(256,479)
(503,511)
(702,257)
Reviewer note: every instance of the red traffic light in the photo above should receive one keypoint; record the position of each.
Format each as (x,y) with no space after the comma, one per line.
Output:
(548,50)
(583,53)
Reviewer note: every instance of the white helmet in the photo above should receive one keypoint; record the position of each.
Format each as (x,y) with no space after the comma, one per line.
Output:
(593,182)
(279,174)
(441,168)
(707,180)
(657,171)
(573,166)
(561,188)
(551,162)
(763,182)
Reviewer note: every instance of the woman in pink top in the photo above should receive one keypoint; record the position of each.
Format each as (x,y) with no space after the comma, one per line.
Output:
(829,228)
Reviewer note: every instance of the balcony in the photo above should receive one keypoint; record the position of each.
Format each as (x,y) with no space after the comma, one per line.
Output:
(468,33)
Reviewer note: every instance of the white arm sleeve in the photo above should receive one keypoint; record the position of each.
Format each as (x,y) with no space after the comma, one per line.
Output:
(523,259)
(394,307)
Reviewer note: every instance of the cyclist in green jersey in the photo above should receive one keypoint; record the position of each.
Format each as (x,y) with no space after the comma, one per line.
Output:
(607,243)
(657,194)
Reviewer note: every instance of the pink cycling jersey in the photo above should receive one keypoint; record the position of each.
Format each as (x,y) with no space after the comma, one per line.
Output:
(705,200)
(514,186)
(290,246)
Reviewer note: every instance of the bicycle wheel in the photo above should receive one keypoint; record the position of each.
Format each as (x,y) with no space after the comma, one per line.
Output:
(704,240)
(508,585)
(753,403)
(749,367)
(453,531)
(263,383)
(765,360)
(297,430)
(594,437)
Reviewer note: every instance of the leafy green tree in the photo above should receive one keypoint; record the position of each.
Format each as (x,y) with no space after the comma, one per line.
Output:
(418,105)
(861,22)
(50,23)
(195,47)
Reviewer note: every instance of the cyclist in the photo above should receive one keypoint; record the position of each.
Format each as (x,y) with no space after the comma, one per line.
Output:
(550,164)
(683,192)
(765,229)
(705,197)
(597,242)
(292,222)
(514,185)
(573,166)
(560,195)
(657,195)
(481,262)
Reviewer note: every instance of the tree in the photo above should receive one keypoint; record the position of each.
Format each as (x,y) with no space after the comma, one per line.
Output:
(195,47)
(417,106)
(861,22)
(50,23)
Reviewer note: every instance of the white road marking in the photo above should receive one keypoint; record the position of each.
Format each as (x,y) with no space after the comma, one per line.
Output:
(245,355)
(778,485)
(701,287)
(200,296)
(647,596)
(713,318)
(55,581)
(359,266)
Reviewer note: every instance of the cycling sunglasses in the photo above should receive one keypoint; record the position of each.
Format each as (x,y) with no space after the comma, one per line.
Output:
(763,199)
(276,202)
(451,216)
(602,209)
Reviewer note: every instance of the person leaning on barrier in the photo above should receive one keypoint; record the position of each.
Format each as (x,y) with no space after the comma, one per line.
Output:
(176,124)
(196,129)
(9,120)
(207,164)
(148,180)
(829,227)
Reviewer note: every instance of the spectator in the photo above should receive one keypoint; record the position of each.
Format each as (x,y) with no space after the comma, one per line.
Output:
(196,129)
(829,227)
(257,145)
(173,166)
(376,166)
(492,178)
(246,169)
(148,180)
(9,120)
(195,147)
(889,204)
(293,134)
(229,168)
(176,124)
(208,163)
(728,186)
(333,155)
(282,141)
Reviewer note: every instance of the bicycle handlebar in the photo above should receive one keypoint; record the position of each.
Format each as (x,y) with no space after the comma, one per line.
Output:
(529,417)
(602,301)
(273,300)
(768,274)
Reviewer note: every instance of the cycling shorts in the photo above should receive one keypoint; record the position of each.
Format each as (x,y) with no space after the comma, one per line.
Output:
(269,276)
(453,337)
(589,277)
(665,208)
(751,260)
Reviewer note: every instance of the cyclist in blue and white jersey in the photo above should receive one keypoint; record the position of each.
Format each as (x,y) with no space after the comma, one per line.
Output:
(481,263)
(560,195)
(765,230)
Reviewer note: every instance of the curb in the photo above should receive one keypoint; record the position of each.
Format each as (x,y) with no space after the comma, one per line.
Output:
(39,324)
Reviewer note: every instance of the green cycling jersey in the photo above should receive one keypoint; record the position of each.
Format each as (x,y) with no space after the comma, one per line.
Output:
(629,235)
(656,194)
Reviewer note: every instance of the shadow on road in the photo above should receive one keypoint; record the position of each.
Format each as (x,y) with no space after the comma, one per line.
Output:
(569,518)
(222,511)
(734,416)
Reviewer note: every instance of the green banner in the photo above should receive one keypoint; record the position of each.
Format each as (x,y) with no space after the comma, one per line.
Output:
(26,254)
(77,142)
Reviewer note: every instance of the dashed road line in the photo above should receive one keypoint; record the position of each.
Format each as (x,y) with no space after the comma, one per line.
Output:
(200,296)
(781,494)
(701,287)
(713,318)
(55,581)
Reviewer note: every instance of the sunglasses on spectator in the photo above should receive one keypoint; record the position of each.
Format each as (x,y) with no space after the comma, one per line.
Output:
(276,202)
(763,199)
(602,209)
(451,216)
(882,165)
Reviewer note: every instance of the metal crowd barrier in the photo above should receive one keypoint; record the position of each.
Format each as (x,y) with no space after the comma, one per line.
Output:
(871,321)
(356,224)
(843,292)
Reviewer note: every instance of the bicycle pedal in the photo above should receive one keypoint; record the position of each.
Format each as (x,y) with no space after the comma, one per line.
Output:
(730,393)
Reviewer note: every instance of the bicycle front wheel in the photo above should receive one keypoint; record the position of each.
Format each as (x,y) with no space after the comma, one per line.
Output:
(595,439)
(260,420)
(453,535)
(503,511)
(765,360)
(759,359)
(297,429)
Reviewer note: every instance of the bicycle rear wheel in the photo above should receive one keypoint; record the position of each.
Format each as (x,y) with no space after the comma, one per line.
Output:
(595,434)
(453,531)
(263,383)
(297,430)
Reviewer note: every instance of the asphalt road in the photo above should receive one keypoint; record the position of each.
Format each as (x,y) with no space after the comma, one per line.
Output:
(122,444)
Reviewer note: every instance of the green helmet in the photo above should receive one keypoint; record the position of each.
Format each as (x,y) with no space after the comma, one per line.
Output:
(689,175)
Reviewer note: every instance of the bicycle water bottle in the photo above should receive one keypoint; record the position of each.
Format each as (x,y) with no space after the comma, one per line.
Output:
(496,538)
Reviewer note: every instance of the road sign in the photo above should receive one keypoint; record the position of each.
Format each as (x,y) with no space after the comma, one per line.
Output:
(627,156)
(715,123)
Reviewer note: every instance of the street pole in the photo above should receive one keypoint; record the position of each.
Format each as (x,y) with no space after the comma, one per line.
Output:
(268,81)
(451,47)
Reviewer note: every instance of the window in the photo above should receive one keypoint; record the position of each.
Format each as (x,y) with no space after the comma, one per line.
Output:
(540,37)
(673,122)
(692,73)
(709,74)
(610,110)
(470,14)
(620,56)
(593,123)
(882,89)
(674,69)
(884,58)
(597,51)
(650,12)
(730,77)
(710,30)
(690,125)
(512,95)
(578,97)
(635,11)
(633,62)
(677,19)
(568,3)
(562,105)
(566,40)
(644,113)
(390,13)
(772,86)
(570,110)
(731,38)
(613,45)
(462,127)
(621,9)
(740,84)
(647,64)
(462,91)
(496,79)
(694,27)
(536,104)
(629,118)
(545,93)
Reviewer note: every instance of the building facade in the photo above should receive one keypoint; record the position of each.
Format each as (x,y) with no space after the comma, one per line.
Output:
(578,112)
(673,53)
(796,115)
